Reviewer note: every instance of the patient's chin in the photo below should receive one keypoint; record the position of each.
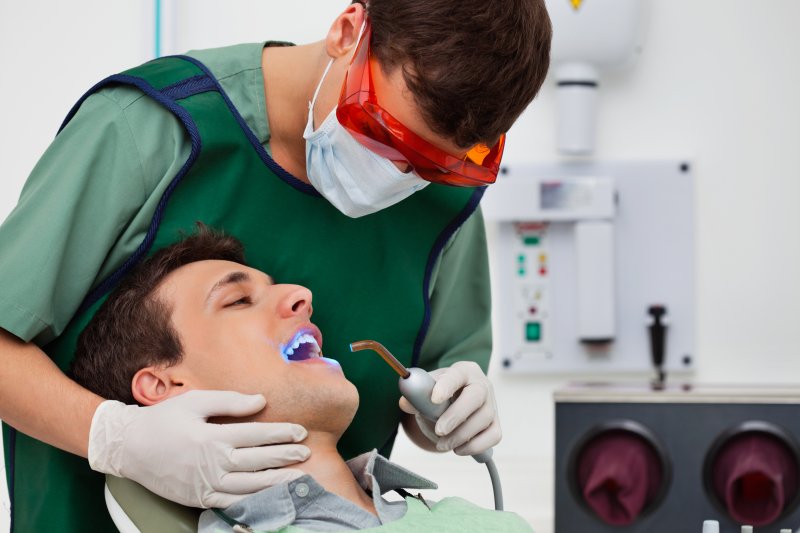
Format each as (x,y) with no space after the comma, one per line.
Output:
(328,406)
(327,409)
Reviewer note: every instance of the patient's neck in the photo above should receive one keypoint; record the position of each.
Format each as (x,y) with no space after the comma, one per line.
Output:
(330,470)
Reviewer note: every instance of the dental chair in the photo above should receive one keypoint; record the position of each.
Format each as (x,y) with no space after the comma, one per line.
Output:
(134,509)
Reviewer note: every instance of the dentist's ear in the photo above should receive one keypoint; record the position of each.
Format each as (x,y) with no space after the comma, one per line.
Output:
(153,384)
(343,34)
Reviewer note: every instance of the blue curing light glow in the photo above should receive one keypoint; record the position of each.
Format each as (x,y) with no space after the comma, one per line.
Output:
(302,346)
(284,347)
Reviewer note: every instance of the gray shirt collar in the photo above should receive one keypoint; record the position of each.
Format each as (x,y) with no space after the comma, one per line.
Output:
(305,503)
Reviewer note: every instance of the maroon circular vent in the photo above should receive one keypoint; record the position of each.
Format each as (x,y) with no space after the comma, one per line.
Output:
(619,472)
(752,473)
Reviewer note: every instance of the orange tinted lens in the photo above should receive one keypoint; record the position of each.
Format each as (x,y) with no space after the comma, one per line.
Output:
(478,153)
(456,180)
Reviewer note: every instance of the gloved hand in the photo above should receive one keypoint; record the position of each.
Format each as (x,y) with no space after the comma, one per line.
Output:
(470,425)
(170,448)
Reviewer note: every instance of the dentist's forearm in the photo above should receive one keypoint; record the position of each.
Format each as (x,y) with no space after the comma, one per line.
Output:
(37,398)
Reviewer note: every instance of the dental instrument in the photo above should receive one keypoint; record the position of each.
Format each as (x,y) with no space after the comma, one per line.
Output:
(416,386)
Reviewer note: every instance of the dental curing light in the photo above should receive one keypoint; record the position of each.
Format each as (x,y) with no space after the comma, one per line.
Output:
(416,386)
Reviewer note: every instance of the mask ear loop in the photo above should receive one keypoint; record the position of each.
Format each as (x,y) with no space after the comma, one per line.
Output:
(316,92)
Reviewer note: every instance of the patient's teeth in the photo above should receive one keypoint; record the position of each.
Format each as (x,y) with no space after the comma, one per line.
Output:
(304,338)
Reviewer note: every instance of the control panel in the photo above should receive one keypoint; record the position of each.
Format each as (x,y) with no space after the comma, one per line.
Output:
(583,255)
(532,296)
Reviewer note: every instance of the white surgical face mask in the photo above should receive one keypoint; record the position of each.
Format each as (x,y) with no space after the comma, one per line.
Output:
(352,178)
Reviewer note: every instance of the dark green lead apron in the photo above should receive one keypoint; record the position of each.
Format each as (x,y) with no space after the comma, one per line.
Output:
(370,277)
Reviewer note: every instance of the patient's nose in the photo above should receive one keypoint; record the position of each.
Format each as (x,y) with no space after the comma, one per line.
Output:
(296,302)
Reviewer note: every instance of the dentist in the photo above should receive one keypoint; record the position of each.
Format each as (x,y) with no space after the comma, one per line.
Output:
(354,166)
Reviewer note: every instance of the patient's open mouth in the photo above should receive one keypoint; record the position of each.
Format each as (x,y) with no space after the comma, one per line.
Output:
(303,346)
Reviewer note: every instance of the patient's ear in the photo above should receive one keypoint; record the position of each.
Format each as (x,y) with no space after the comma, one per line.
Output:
(154,384)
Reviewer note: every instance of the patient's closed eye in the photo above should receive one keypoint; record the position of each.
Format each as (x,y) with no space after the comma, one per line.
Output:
(244,300)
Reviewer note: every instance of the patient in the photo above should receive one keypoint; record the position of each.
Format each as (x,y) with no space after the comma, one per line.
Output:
(193,316)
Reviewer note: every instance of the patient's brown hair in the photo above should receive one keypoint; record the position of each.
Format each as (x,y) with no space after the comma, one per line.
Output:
(133,328)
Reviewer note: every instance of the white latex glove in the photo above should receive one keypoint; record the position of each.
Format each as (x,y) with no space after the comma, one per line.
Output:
(170,448)
(470,425)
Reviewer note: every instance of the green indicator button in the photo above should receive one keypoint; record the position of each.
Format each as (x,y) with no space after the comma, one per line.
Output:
(521,258)
(531,240)
(533,331)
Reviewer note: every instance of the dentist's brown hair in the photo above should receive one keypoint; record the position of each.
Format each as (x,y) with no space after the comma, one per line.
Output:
(473,66)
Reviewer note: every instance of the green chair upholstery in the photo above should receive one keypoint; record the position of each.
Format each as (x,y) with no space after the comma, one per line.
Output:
(151,513)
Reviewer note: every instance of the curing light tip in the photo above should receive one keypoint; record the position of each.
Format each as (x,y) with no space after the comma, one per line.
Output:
(387,356)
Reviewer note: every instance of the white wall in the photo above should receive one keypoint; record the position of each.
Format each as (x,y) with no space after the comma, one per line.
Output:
(718,83)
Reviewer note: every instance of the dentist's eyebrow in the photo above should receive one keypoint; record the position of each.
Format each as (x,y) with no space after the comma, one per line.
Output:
(230,279)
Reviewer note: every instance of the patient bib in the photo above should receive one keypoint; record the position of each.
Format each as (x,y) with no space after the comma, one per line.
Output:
(451,515)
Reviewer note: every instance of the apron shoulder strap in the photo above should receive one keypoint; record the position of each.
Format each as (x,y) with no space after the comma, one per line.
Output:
(166,79)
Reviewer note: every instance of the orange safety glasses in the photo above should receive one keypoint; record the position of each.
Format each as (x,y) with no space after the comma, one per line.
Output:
(371,125)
